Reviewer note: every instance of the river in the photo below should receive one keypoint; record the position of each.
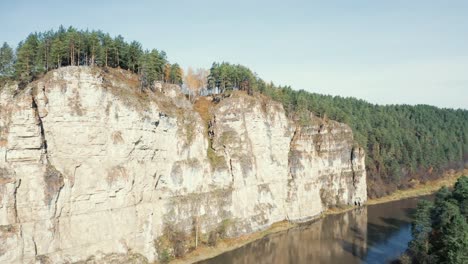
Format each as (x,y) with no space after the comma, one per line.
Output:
(371,234)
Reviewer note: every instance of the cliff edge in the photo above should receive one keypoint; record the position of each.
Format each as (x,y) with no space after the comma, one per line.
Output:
(93,169)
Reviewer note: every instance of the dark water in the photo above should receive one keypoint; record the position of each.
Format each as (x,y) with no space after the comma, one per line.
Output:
(372,234)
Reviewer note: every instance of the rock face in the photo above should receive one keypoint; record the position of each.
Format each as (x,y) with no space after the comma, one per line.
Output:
(92,169)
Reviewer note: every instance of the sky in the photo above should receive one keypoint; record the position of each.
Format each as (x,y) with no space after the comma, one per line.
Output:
(385,52)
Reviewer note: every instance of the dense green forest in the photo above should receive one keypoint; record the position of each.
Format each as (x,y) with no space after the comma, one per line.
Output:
(440,229)
(41,52)
(402,142)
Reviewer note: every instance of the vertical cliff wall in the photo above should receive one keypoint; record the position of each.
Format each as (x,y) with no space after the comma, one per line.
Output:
(92,168)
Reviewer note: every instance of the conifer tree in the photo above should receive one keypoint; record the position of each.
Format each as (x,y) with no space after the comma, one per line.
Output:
(25,66)
(107,50)
(120,52)
(6,60)
(176,74)
(133,55)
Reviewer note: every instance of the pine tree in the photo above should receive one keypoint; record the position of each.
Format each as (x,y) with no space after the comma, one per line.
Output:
(133,55)
(6,60)
(449,239)
(176,74)
(107,50)
(94,48)
(26,65)
(420,230)
(460,194)
(57,52)
(145,70)
(71,39)
(120,52)
(440,230)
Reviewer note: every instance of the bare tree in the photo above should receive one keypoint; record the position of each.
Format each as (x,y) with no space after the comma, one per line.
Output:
(195,80)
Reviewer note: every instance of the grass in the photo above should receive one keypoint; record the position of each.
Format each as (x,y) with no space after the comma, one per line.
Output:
(125,86)
(189,129)
(228,137)
(215,160)
(203,106)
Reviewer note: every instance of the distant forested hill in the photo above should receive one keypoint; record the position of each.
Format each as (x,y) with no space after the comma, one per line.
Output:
(401,141)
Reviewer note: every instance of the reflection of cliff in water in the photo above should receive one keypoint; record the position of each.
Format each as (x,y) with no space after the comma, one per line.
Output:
(334,239)
(373,234)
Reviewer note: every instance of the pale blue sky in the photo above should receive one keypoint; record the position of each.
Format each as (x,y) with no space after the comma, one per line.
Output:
(413,52)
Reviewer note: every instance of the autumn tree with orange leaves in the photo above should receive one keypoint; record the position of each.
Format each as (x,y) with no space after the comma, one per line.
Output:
(196,80)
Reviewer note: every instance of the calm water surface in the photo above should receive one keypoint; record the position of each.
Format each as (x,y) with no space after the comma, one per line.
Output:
(372,234)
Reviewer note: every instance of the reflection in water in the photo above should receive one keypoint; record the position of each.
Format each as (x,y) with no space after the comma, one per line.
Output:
(389,230)
(374,234)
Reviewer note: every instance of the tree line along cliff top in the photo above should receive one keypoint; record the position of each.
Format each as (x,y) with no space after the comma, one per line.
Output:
(404,144)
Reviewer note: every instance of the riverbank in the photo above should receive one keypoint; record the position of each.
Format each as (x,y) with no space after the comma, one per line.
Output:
(420,189)
(205,252)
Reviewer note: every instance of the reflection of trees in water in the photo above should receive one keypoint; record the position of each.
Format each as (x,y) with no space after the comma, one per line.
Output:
(388,230)
(335,239)
(385,220)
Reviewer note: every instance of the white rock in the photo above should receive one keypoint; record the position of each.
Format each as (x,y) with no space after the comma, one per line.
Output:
(91,168)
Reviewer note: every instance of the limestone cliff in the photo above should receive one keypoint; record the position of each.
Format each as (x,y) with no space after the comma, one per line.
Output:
(92,169)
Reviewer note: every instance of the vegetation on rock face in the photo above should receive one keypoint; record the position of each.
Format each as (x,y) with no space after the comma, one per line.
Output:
(176,242)
(41,52)
(440,229)
(54,183)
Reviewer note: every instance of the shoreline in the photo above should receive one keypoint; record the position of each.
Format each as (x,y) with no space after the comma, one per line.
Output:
(205,252)
(449,178)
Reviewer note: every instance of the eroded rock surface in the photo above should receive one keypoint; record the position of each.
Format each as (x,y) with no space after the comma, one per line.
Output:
(92,170)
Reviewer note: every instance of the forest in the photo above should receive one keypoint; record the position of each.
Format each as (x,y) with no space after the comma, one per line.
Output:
(440,228)
(45,51)
(403,143)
